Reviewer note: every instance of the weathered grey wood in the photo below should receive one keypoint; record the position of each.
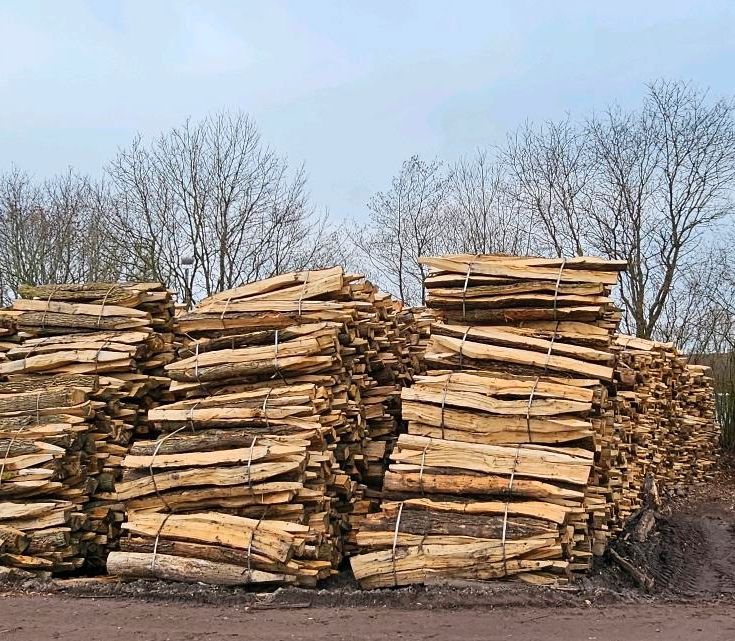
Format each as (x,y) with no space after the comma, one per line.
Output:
(187,570)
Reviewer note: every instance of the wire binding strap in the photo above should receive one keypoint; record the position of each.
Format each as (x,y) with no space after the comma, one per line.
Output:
(250,461)
(155,543)
(444,400)
(264,409)
(395,543)
(105,343)
(528,408)
(199,381)
(303,290)
(157,448)
(40,343)
(421,469)
(558,282)
(196,361)
(190,418)
(7,451)
(278,371)
(102,306)
(250,551)
(551,347)
(224,311)
(507,507)
(38,407)
(464,290)
(556,319)
(461,345)
(189,336)
(48,303)
(250,544)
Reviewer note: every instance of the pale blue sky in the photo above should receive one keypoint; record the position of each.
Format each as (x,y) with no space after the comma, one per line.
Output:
(349,88)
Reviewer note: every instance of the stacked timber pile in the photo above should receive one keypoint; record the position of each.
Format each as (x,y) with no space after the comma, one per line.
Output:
(642,403)
(243,445)
(419,321)
(375,359)
(699,433)
(47,450)
(665,413)
(287,397)
(110,342)
(8,334)
(506,467)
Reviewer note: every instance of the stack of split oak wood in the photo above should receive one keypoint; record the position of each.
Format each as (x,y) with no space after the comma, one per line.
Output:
(504,466)
(694,452)
(375,359)
(86,367)
(286,403)
(46,453)
(665,409)
(8,334)
(242,442)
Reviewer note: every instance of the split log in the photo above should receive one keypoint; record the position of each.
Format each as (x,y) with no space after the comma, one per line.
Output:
(187,570)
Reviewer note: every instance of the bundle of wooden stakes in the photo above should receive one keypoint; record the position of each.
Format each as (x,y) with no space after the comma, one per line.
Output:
(86,367)
(504,463)
(287,399)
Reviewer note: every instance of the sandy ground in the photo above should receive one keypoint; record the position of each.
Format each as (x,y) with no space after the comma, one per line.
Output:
(37,618)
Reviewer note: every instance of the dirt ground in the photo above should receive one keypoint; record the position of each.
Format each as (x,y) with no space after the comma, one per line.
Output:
(36,618)
(690,556)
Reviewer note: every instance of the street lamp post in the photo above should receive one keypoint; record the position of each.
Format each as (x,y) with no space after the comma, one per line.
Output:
(186,263)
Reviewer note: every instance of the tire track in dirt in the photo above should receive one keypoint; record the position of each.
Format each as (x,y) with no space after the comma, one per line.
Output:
(692,552)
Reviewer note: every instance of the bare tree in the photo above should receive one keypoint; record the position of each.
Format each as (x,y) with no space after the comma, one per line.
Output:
(698,316)
(711,290)
(663,178)
(652,186)
(405,223)
(479,216)
(644,186)
(214,193)
(549,174)
(54,232)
